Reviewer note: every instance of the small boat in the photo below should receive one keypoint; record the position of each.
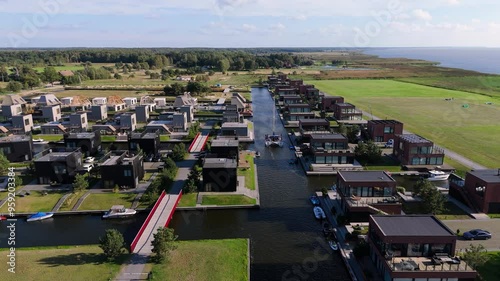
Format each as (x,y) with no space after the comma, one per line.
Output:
(3,218)
(436,175)
(39,216)
(314,200)
(37,140)
(257,154)
(319,213)
(333,245)
(118,211)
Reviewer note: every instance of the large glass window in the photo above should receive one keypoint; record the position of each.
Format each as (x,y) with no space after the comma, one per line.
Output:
(387,191)
(388,130)
(378,191)
(343,160)
(127,173)
(320,159)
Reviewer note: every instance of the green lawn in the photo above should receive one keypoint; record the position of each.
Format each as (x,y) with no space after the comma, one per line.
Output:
(108,138)
(188,200)
(48,137)
(248,173)
(460,169)
(490,271)
(206,260)
(386,163)
(164,137)
(70,201)
(423,110)
(103,201)
(35,202)
(451,212)
(488,85)
(227,200)
(61,263)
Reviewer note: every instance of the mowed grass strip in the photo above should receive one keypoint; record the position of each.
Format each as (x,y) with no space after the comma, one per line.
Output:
(491,269)
(61,263)
(35,202)
(248,173)
(206,260)
(188,200)
(465,124)
(225,200)
(104,201)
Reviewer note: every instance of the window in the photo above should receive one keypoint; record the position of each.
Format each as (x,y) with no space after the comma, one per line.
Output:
(26,122)
(6,150)
(127,173)
(59,169)
(388,130)
(58,110)
(83,119)
(379,139)
(320,159)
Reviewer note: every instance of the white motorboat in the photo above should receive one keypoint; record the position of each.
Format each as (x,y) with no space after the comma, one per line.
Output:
(39,216)
(319,213)
(436,175)
(274,140)
(333,245)
(119,211)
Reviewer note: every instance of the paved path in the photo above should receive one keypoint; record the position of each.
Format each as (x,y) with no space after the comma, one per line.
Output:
(60,202)
(451,154)
(492,225)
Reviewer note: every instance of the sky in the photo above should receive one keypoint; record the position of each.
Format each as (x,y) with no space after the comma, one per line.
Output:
(249,23)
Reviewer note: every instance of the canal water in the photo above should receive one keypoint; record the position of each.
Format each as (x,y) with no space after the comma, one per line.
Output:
(286,240)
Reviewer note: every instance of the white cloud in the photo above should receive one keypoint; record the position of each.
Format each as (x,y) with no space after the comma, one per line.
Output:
(299,17)
(248,27)
(277,27)
(422,14)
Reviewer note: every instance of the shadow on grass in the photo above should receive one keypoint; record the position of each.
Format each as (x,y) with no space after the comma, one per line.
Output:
(82,258)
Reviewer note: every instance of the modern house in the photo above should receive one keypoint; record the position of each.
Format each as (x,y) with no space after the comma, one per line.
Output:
(480,190)
(160,102)
(142,113)
(331,149)
(185,99)
(58,167)
(159,126)
(99,112)
(230,116)
(296,116)
(384,130)
(179,122)
(78,122)
(414,150)
(285,90)
(298,108)
(291,99)
(22,123)
(99,101)
(130,102)
(147,142)
(346,111)
(53,128)
(116,103)
(189,110)
(16,148)
(88,143)
(128,122)
(364,193)
(234,129)
(225,148)
(415,247)
(328,102)
(122,169)
(13,105)
(314,126)
(220,175)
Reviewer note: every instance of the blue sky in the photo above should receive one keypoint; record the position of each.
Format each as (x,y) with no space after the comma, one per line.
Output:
(249,23)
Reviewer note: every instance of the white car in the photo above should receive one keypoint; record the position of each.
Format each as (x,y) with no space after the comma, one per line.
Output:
(87,167)
(89,159)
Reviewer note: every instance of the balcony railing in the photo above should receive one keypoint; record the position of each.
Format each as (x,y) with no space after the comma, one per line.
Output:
(428,264)
(365,201)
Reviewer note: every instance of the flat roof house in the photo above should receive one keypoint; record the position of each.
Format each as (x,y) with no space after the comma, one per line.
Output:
(149,143)
(414,150)
(88,143)
(53,128)
(225,148)
(298,107)
(58,167)
(22,123)
(314,126)
(328,102)
(234,129)
(416,247)
(384,130)
(331,149)
(78,122)
(346,111)
(291,99)
(480,190)
(296,116)
(219,175)
(16,148)
(122,169)
(364,193)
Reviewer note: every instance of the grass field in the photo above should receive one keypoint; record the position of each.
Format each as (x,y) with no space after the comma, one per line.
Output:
(451,211)
(101,93)
(103,201)
(224,200)
(468,131)
(487,85)
(206,260)
(49,137)
(71,201)
(61,263)
(35,202)
(249,173)
(490,271)
(188,200)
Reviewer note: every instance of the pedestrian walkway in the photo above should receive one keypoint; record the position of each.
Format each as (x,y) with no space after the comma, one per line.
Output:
(477,216)
(60,202)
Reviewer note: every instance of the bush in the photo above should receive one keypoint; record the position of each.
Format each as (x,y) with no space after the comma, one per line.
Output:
(112,243)
(401,189)
(324,190)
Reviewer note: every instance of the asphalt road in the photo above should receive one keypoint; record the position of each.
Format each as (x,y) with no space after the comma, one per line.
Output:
(491,225)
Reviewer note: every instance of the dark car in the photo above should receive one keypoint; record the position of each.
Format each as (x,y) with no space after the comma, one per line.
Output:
(477,234)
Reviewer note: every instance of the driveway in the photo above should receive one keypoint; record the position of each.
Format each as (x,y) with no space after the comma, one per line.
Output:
(492,225)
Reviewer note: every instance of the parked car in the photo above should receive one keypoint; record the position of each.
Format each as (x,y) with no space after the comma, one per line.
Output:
(89,159)
(477,234)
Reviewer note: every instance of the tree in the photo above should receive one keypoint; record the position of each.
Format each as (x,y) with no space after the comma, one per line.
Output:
(14,86)
(81,183)
(163,243)
(223,65)
(342,129)
(352,133)
(112,243)
(367,152)
(117,76)
(50,75)
(476,256)
(433,200)
(4,164)
(193,181)
(197,88)
(179,152)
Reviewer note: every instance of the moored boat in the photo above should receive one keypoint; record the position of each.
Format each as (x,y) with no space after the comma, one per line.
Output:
(333,245)
(2,218)
(319,213)
(436,175)
(39,216)
(314,200)
(118,211)
(257,154)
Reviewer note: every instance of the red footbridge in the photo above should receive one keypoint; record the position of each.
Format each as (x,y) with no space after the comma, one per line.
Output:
(198,143)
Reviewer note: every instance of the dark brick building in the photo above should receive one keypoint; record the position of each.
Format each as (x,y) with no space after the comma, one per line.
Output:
(17,148)
(220,175)
(88,143)
(122,169)
(60,167)
(414,150)
(384,130)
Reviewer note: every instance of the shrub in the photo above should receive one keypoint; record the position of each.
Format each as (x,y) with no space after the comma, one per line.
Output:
(400,189)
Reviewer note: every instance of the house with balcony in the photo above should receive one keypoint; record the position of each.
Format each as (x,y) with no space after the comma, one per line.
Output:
(16,148)
(224,148)
(22,123)
(480,190)
(314,126)
(296,116)
(328,102)
(331,149)
(291,99)
(364,193)
(220,175)
(414,151)
(295,82)
(88,143)
(235,129)
(53,128)
(149,143)
(285,90)
(123,169)
(415,247)
(60,167)
(298,108)
(346,111)
(384,130)
(14,104)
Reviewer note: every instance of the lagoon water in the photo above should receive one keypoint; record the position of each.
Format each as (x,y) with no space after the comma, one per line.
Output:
(476,59)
